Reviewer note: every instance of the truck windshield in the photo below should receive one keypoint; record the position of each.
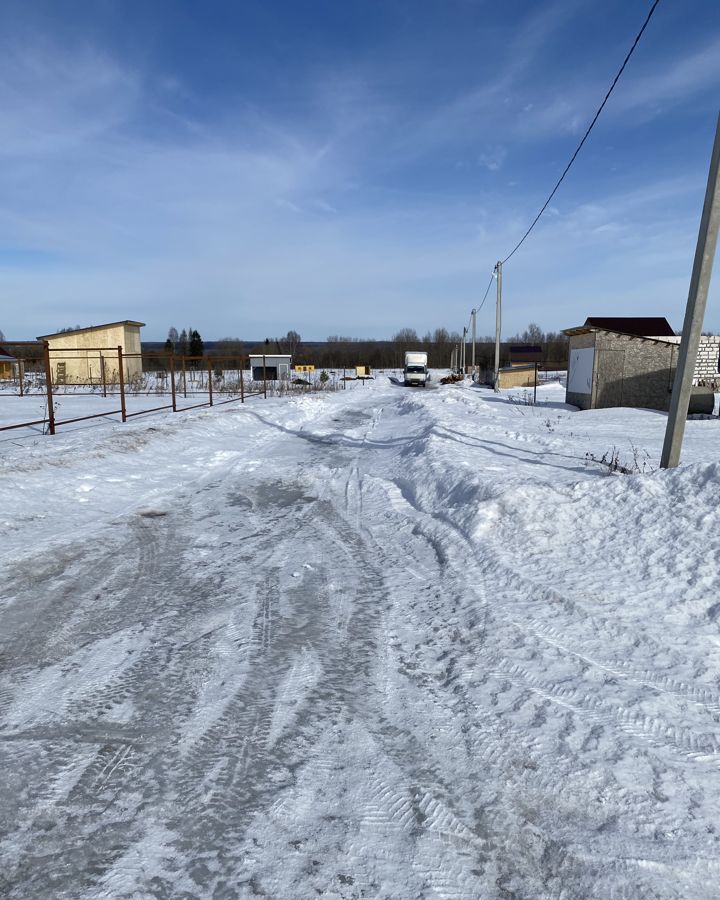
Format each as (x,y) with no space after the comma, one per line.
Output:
(419,369)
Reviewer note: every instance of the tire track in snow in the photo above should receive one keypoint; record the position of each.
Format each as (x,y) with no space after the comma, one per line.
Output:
(398,497)
(703,747)
(694,744)
(703,697)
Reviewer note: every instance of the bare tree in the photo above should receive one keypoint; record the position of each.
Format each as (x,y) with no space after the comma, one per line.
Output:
(533,334)
(292,342)
(406,336)
(229,350)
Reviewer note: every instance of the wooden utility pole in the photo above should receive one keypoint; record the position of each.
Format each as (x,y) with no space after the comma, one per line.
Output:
(694,312)
(498,323)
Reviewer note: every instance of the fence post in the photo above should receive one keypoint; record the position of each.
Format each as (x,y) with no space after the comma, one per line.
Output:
(210,382)
(242,388)
(184,374)
(102,372)
(21,374)
(121,376)
(172,382)
(264,377)
(48,384)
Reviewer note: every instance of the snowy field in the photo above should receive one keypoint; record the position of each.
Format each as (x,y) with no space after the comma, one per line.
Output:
(379,643)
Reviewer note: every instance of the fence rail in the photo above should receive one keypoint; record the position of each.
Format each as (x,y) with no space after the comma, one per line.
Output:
(47,372)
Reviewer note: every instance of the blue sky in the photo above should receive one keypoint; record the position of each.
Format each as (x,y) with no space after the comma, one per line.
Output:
(348,167)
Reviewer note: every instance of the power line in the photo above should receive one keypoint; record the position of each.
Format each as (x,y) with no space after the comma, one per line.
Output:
(487,291)
(585,136)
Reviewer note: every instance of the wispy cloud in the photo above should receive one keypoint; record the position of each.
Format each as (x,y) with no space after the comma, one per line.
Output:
(305,216)
(673,81)
(492,158)
(55,103)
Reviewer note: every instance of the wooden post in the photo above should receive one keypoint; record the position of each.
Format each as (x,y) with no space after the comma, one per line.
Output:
(264,377)
(694,312)
(210,382)
(121,375)
(535,390)
(172,383)
(184,378)
(242,388)
(102,374)
(21,374)
(48,387)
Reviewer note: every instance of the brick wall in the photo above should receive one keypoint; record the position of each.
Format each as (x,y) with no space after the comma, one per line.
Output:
(646,373)
(706,368)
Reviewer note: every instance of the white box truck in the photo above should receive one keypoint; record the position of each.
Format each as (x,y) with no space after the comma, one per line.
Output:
(415,370)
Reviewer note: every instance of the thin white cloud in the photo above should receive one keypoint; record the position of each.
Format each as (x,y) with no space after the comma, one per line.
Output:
(219,222)
(493,158)
(637,97)
(673,81)
(54,103)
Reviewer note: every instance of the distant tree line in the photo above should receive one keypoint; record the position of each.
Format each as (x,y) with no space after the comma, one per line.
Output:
(343,351)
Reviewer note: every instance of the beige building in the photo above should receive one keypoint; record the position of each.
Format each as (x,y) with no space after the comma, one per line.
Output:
(516,375)
(621,361)
(79,356)
(8,365)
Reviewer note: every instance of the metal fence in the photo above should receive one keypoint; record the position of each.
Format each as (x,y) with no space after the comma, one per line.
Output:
(109,372)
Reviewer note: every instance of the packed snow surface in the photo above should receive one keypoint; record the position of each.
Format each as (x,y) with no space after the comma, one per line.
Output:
(381,643)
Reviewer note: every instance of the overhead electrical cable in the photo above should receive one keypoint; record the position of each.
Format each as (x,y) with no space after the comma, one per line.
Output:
(587,133)
(487,291)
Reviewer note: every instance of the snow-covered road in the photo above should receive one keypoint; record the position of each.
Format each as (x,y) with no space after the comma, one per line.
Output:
(381,643)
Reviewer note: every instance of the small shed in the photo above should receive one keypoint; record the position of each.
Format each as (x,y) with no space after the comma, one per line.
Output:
(273,366)
(621,361)
(89,355)
(8,365)
(517,375)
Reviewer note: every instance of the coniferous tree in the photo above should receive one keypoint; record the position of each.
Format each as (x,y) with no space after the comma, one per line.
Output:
(197,345)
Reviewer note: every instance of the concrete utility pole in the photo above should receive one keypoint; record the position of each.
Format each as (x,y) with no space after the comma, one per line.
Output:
(464,349)
(694,312)
(472,359)
(498,322)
